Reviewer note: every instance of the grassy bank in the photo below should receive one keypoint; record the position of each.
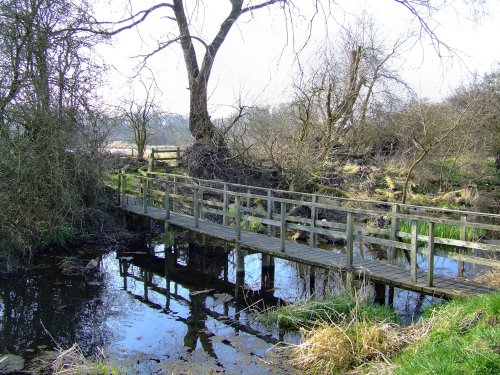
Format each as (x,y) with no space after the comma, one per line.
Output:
(464,338)
(342,336)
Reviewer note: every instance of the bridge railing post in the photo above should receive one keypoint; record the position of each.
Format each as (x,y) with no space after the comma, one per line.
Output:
(283,226)
(196,207)
(201,198)
(313,237)
(167,200)
(238,218)
(247,222)
(225,205)
(430,256)
(119,188)
(463,237)
(349,240)
(270,209)
(394,232)
(413,251)
(145,194)
(124,191)
(174,191)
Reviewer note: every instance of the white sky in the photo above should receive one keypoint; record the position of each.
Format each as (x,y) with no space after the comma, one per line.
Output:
(255,61)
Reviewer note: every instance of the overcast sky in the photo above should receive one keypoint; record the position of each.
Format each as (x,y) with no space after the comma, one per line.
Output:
(257,60)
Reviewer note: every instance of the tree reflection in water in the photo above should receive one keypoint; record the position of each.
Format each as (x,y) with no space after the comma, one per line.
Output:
(42,302)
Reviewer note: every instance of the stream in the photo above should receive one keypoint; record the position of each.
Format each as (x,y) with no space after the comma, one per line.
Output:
(177,312)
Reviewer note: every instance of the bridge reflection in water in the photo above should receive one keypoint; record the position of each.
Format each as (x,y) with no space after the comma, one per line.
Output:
(207,280)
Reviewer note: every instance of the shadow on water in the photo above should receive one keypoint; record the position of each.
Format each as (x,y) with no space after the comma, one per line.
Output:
(180,302)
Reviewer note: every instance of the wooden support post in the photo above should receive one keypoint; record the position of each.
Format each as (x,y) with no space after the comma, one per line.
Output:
(119,188)
(174,206)
(267,273)
(379,290)
(463,237)
(390,296)
(238,219)
(178,155)
(145,194)
(225,206)
(313,237)
(394,233)
(240,272)
(312,281)
(124,191)
(247,223)
(201,195)
(145,279)
(430,256)
(283,226)
(350,241)
(196,208)
(151,162)
(270,209)
(413,251)
(167,201)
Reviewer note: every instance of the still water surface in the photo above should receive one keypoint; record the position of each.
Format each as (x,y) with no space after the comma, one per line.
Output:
(158,313)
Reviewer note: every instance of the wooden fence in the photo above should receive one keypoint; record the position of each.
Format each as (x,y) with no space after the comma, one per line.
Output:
(460,235)
(168,154)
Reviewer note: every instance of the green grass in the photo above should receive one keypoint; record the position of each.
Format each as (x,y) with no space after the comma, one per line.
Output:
(253,225)
(442,230)
(464,339)
(457,337)
(103,368)
(335,309)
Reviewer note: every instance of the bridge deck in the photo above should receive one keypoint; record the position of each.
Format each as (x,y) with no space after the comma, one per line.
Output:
(444,286)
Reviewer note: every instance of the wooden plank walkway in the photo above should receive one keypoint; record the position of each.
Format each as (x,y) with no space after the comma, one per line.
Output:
(377,271)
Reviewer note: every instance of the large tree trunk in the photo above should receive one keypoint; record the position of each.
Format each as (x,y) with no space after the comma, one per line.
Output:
(200,124)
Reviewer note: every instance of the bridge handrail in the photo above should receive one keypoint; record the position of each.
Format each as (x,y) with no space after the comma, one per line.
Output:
(342,199)
(189,193)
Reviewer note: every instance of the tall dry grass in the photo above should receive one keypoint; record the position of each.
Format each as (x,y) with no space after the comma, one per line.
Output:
(72,362)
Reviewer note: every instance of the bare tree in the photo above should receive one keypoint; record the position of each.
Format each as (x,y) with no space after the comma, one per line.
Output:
(199,66)
(429,126)
(335,96)
(50,184)
(140,116)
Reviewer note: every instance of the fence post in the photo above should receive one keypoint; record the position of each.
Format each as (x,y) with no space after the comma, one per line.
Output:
(283,226)
(196,208)
(394,232)
(124,190)
(151,161)
(313,237)
(270,208)
(174,206)
(225,206)
(145,194)
(463,237)
(167,201)
(350,240)
(238,218)
(430,256)
(178,155)
(413,251)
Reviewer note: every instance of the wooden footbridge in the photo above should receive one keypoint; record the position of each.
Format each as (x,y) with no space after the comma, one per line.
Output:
(268,221)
